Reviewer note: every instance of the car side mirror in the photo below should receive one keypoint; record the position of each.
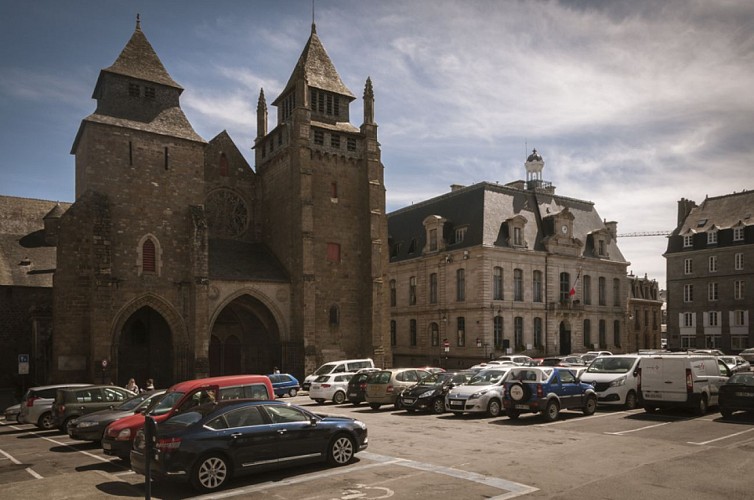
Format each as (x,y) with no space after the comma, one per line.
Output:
(139,410)
(313,421)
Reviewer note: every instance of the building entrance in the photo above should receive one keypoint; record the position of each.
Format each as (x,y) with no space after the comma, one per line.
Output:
(565,339)
(145,350)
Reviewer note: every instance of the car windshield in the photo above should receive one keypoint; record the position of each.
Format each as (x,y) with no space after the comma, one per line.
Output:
(487,377)
(166,403)
(326,368)
(742,378)
(130,404)
(611,364)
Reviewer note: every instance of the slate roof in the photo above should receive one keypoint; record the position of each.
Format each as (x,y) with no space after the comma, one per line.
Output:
(315,67)
(721,212)
(484,208)
(242,261)
(25,259)
(171,122)
(139,60)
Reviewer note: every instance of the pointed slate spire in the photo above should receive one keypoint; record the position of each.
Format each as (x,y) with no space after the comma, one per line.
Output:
(139,60)
(261,115)
(368,102)
(315,68)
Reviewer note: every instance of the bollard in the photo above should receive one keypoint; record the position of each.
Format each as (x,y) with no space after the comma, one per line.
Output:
(150,437)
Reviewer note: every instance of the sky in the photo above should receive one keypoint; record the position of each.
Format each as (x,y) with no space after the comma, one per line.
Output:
(633,105)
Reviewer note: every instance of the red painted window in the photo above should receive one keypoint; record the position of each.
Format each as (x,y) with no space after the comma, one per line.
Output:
(148,262)
(333,252)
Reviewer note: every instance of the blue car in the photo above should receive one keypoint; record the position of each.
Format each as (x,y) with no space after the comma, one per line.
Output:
(546,390)
(284,383)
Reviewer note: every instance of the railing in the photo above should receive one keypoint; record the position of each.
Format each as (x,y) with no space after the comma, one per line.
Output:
(565,305)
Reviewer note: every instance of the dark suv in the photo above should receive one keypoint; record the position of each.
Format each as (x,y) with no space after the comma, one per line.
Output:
(547,390)
(72,403)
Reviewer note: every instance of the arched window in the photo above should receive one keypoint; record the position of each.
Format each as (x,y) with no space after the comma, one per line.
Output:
(148,257)
(497,283)
(224,169)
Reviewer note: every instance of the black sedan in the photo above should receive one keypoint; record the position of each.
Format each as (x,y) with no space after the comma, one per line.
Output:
(92,426)
(737,394)
(211,443)
(429,394)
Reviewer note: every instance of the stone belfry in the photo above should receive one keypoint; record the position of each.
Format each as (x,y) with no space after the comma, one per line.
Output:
(130,285)
(324,212)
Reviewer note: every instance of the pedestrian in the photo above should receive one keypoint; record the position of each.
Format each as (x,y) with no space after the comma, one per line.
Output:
(150,385)
(131,386)
(275,370)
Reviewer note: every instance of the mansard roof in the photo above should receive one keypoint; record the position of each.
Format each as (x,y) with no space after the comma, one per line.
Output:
(720,212)
(139,60)
(316,69)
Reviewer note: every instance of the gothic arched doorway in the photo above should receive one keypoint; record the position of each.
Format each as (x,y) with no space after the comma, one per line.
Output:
(565,339)
(145,349)
(244,339)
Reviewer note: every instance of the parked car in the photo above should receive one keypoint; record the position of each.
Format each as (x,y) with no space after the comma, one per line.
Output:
(385,386)
(36,405)
(181,397)
(547,391)
(748,354)
(429,393)
(12,412)
(432,369)
(342,366)
(330,387)
(615,379)
(737,394)
(483,393)
(681,380)
(518,359)
(284,383)
(91,427)
(357,386)
(588,356)
(209,444)
(736,363)
(74,402)
(571,360)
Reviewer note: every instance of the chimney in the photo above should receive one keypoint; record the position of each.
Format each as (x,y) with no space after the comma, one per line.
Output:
(52,225)
(684,209)
(612,228)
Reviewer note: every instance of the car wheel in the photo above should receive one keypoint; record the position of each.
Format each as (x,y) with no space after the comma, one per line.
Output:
(518,391)
(45,421)
(494,408)
(210,473)
(340,450)
(726,413)
(591,405)
(292,393)
(513,414)
(552,410)
(64,428)
(375,406)
(438,406)
(701,408)
(339,398)
(320,401)
(631,402)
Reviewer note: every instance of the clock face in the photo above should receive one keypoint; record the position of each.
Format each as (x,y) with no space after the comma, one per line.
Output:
(564,229)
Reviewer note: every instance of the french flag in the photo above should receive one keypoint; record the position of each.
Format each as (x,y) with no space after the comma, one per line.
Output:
(573,288)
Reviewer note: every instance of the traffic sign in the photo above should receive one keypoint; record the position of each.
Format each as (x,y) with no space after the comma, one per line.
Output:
(23,364)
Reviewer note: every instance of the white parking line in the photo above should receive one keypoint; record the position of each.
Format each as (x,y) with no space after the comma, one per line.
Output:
(584,418)
(721,438)
(636,430)
(96,457)
(28,469)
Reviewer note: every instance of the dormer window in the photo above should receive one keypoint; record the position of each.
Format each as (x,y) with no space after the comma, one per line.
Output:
(518,240)
(433,240)
(688,240)
(712,237)
(433,232)
(738,233)
(460,234)
(601,248)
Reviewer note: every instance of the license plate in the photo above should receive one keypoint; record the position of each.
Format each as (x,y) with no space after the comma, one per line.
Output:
(106,446)
(408,401)
(352,395)
(745,394)
(521,407)
(456,403)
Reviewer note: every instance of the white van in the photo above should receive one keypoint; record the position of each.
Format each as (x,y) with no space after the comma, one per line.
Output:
(614,379)
(691,381)
(342,366)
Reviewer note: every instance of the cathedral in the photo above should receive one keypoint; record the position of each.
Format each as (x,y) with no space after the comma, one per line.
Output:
(179,260)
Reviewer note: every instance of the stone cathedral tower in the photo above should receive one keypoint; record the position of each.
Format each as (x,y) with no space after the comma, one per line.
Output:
(324,210)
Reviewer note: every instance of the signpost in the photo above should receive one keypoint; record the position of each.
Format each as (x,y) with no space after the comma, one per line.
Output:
(23,364)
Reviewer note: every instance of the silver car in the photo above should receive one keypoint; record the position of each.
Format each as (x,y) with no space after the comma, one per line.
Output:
(482,394)
(36,405)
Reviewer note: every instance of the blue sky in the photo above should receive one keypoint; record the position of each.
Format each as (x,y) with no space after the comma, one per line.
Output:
(633,105)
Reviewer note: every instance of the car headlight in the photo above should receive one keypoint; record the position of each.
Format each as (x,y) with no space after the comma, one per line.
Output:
(124,435)
(360,424)
(618,382)
(478,394)
(427,394)
(86,425)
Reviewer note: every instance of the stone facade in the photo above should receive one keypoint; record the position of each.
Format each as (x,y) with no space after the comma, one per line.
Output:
(644,314)
(493,269)
(177,260)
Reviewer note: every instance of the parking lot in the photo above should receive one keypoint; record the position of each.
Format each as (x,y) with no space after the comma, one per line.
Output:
(612,454)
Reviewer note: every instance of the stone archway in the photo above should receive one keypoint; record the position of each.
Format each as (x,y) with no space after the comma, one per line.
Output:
(145,349)
(565,338)
(245,338)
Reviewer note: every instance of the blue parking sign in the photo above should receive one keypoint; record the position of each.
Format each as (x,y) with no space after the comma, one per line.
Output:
(23,364)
